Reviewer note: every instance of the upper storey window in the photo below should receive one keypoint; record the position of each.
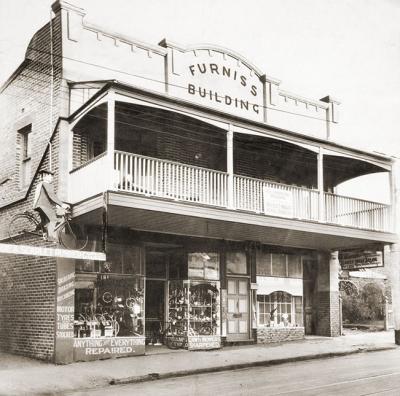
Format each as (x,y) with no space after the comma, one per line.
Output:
(25,141)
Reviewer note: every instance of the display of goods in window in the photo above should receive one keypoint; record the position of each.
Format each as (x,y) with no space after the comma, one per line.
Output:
(112,307)
(194,314)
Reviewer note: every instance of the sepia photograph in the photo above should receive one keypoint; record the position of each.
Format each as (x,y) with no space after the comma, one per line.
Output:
(199,197)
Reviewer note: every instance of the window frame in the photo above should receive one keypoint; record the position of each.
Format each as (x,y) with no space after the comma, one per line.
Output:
(270,272)
(268,304)
(25,142)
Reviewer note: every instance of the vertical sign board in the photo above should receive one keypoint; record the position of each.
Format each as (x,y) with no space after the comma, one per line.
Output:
(65,310)
(278,202)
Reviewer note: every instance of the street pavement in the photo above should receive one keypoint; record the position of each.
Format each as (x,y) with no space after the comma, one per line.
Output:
(376,373)
(23,376)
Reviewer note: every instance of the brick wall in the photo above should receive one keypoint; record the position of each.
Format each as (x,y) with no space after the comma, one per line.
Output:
(328,319)
(27,289)
(25,100)
(267,335)
(27,309)
(7,212)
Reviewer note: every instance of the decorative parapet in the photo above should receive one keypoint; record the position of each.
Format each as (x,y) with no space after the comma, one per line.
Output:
(208,75)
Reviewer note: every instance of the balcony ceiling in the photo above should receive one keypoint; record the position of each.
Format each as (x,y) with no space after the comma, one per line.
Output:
(273,159)
(162,216)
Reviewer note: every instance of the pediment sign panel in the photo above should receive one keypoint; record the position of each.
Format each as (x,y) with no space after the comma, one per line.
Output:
(217,79)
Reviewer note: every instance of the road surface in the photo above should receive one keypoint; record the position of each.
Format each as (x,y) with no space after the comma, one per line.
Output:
(374,373)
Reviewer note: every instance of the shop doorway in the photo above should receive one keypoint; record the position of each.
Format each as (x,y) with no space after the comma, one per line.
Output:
(238,309)
(155,311)
(310,296)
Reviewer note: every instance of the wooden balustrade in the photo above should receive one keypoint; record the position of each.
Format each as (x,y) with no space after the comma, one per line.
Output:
(275,199)
(173,180)
(168,179)
(357,213)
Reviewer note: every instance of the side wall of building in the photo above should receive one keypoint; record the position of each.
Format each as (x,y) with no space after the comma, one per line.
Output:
(27,309)
(25,108)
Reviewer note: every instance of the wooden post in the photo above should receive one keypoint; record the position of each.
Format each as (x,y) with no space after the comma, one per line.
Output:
(110,138)
(229,165)
(321,206)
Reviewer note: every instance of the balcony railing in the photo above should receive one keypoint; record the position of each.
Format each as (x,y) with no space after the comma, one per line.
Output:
(168,179)
(172,180)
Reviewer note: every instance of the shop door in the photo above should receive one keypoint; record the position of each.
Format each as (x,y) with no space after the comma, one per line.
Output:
(238,309)
(155,316)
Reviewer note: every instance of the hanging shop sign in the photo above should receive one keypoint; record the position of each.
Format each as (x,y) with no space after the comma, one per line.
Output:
(360,260)
(214,78)
(278,202)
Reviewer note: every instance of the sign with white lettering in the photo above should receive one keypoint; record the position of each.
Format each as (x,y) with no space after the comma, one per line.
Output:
(27,250)
(65,301)
(358,261)
(215,78)
(204,342)
(86,349)
(278,202)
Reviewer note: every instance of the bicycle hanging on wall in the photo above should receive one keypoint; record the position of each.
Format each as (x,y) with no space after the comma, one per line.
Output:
(27,228)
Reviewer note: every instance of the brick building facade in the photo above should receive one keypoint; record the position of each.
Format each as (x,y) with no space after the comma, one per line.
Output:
(210,193)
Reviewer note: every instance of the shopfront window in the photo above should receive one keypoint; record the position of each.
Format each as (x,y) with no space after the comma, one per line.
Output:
(279,309)
(109,296)
(109,306)
(279,265)
(236,263)
(203,266)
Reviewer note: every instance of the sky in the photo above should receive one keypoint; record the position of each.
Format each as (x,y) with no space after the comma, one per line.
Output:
(349,49)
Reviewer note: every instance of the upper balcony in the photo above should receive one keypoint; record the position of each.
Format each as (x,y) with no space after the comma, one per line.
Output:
(153,177)
(172,157)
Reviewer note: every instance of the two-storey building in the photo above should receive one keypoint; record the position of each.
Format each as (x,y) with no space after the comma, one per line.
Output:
(210,189)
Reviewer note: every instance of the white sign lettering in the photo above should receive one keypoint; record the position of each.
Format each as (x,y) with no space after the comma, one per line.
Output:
(278,202)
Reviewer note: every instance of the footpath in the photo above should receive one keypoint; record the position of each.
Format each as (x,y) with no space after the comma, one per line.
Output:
(24,376)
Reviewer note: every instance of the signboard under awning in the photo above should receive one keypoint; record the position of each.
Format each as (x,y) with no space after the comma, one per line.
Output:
(364,260)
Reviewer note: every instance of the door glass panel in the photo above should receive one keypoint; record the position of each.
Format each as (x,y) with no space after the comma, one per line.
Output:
(243,287)
(231,305)
(231,287)
(243,305)
(243,326)
(232,326)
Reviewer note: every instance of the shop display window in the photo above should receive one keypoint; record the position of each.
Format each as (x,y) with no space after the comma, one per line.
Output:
(109,306)
(280,309)
(194,308)
(203,266)
(123,259)
(178,303)
(109,296)
(236,263)
(204,308)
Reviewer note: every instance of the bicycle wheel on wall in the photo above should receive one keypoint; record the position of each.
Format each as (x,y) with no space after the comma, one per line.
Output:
(72,236)
(25,228)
